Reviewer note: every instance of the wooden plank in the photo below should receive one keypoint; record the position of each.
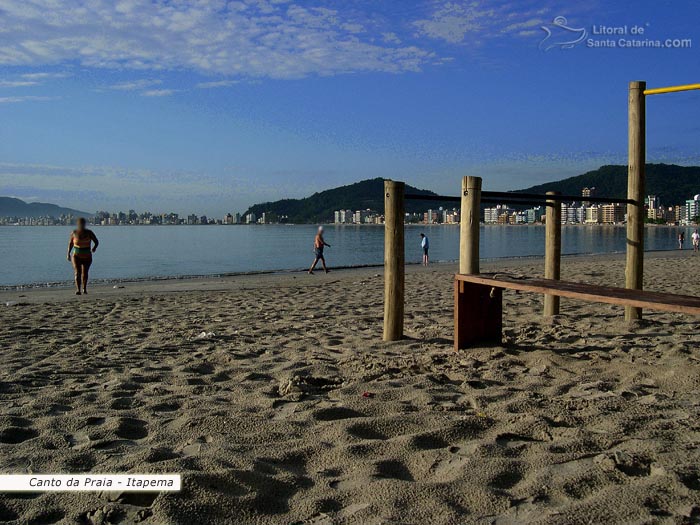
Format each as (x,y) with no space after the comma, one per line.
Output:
(589,292)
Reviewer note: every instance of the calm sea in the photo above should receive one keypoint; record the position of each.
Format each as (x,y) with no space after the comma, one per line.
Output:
(37,255)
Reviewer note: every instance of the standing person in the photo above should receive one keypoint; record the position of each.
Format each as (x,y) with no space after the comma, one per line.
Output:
(80,253)
(425,244)
(681,240)
(319,244)
(696,241)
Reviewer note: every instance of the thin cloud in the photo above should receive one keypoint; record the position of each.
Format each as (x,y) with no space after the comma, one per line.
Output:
(20,99)
(17,83)
(391,38)
(134,85)
(158,92)
(248,38)
(460,21)
(216,84)
(452,21)
(30,79)
(44,76)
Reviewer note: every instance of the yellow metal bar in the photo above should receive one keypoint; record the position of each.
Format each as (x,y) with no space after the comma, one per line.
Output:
(671,89)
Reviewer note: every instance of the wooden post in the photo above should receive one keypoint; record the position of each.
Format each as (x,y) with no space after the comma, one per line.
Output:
(394,217)
(478,308)
(469,226)
(634,271)
(552,252)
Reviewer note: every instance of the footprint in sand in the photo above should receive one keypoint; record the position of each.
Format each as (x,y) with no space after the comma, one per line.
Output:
(283,410)
(7,514)
(158,454)
(78,440)
(124,403)
(130,428)
(16,435)
(336,413)
(365,431)
(166,407)
(48,517)
(192,449)
(393,469)
(454,466)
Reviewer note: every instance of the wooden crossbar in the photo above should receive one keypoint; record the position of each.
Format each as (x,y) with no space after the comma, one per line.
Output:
(589,292)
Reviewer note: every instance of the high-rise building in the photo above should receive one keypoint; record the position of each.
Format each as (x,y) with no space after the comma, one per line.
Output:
(534,214)
(594,215)
(654,210)
(692,209)
(432,217)
(493,215)
(678,213)
(613,213)
(360,216)
(587,192)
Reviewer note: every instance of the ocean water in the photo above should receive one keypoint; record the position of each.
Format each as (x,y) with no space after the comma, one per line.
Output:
(37,255)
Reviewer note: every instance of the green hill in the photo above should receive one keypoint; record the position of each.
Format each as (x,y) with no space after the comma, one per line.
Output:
(672,184)
(319,207)
(11,207)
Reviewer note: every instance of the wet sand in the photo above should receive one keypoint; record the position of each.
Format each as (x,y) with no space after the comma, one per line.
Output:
(277,401)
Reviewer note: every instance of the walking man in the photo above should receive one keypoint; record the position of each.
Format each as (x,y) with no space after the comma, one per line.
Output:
(319,244)
(425,244)
(696,241)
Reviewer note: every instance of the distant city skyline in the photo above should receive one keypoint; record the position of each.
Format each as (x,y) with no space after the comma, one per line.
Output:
(215,106)
(572,212)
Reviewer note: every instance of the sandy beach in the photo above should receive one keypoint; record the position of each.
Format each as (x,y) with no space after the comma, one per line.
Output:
(276,400)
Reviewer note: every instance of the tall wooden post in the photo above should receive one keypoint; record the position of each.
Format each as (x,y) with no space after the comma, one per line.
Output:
(552,252)
(634,271)
(394,217)
(469,226)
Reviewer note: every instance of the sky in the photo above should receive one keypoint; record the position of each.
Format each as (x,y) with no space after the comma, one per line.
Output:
(210,106)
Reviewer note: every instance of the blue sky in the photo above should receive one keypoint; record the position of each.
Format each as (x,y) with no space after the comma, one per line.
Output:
(210,106)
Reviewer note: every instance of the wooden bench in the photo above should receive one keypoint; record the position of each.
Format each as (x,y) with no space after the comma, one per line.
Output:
(479,302)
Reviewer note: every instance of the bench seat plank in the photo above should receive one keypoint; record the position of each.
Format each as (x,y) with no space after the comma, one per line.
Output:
(590,292)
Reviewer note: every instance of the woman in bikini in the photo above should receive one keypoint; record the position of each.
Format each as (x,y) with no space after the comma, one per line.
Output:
(80,254)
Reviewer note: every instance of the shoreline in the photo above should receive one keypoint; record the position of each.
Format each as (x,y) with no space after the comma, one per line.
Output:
(11,295)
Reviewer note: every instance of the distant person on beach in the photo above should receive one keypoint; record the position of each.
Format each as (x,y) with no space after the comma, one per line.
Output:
(319,244)
(425,244)
(80,252)
(681,240)
(696,241)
